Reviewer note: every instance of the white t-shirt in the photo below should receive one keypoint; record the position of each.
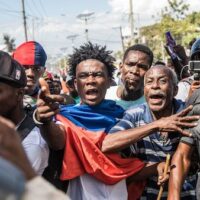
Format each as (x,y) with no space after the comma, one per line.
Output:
(184,88)
(37,150)
(87,187)
(183,91)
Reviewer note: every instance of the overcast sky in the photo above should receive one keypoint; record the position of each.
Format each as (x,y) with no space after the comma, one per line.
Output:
(51,22)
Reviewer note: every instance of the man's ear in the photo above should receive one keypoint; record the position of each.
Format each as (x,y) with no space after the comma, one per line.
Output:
(120,67)
(20,93)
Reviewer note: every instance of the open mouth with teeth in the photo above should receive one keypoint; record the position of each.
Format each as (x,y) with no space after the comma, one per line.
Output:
(92,92)
(156,98)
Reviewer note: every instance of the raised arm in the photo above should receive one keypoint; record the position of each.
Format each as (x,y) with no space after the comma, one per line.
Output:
(129,135)
(47,108)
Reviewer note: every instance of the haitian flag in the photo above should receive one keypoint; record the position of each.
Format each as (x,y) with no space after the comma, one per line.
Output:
(86,126)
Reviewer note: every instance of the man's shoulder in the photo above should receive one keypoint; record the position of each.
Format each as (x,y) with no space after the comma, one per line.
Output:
(195,98)
(139,109)
(186,81)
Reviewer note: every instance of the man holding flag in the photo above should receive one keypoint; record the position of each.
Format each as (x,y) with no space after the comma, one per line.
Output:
(80,129)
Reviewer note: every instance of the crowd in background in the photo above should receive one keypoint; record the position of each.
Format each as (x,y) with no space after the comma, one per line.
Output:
(86,134)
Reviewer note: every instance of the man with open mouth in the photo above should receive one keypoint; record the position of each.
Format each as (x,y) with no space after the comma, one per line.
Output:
(136,61)
(80,129)
(153,129)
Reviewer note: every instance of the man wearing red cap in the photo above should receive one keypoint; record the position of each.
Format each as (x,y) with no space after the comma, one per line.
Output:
(32,57)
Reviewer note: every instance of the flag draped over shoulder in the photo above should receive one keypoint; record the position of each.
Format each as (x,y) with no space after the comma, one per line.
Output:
(86,127)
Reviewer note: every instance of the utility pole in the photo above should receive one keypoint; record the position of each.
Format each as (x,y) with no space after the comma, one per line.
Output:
(85,17)
(33,28)
(34,19)
(131,20)
(72,38)
(121,36)
(122,40)
(24,20)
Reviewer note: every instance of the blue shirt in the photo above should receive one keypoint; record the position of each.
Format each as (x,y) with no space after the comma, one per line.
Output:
(152,148)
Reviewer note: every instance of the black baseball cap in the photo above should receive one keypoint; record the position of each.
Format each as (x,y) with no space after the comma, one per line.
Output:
(11,72)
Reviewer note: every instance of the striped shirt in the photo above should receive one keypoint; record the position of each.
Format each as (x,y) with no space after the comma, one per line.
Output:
(152,148)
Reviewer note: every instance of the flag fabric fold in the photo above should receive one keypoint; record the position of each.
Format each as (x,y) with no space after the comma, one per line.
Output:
(86,128)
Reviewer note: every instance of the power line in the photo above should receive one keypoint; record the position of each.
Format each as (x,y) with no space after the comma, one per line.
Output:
(5,5)
(109,41)
(86,17)
(131,19)
(72,38)
(37,9)
(121,36)
(10,11)
(41,4)
(30,9)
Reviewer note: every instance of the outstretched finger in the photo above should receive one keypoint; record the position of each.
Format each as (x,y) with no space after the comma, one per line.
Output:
(186,124)
(44,96)
(190,118)
(45,91)
(44,86)
(185,111)
(184,132)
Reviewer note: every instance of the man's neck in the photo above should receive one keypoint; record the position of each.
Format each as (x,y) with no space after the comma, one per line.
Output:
(165,113)
(126,95)
(17,117)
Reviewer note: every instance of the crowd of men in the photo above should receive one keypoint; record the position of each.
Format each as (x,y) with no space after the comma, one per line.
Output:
(89,137)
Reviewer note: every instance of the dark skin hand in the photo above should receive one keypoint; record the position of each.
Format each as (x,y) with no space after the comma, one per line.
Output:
(47,104)
(151,169)
(176,123)
(12,150)
(47,108)
(173,123)
(180,51)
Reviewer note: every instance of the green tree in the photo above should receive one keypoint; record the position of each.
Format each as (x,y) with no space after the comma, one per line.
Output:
(9,42)
(174,18)
(177,9)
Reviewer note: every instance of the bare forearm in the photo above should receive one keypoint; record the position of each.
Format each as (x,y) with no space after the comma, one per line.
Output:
(123,139)
(179,169)
(145,173)
(176,180)
(54,135)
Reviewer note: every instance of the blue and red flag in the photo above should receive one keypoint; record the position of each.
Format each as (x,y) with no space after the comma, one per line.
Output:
(86,127)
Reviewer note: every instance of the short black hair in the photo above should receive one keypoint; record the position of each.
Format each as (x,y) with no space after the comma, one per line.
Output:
(91,51)
(142,48)
(159,62)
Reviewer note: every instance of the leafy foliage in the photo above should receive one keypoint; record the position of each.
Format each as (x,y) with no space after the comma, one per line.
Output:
(174,18)
(9,42)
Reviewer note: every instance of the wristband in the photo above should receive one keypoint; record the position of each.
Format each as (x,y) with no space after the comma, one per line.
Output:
(38,123)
